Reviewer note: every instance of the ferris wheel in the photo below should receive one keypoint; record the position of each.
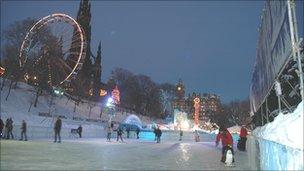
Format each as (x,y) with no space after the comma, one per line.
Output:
(52,51)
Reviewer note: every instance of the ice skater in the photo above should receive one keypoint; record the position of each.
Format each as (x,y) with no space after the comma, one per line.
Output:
(196,136)
(9,128)
(128,132)
(1,128)
(241,145)
(180,134)
(109,132)
(119,134)
(79,131)
(155,134)
(137,132)
(227,143)
(158,134)
(57,129)
(23,131)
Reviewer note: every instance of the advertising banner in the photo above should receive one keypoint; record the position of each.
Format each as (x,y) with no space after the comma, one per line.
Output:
(273,50)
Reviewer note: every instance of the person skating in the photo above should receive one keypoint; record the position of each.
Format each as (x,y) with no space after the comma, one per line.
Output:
(243,138)
(9,128)
(227,142)
(196,136)
(109,132)
(57,129)
(1,128)
(180,134)
(155,133)
(158,134)
(119,134)
(79,130)
(137,132)
(23,131)
(128,132)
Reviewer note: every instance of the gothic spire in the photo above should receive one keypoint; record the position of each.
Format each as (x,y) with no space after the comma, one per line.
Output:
(98,57)
(84,19)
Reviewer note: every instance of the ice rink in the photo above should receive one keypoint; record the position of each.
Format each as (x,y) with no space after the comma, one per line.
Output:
(97,154)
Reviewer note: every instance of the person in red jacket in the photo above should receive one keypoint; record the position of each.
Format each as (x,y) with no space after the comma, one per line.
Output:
(227,142)
(243,138)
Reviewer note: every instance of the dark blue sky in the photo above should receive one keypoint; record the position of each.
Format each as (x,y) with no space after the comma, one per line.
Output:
(211,45)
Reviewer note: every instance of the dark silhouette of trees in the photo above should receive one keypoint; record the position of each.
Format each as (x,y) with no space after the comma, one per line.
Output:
(138,92)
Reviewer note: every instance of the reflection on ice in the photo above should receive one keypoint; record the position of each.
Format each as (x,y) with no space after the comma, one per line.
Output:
(96,154)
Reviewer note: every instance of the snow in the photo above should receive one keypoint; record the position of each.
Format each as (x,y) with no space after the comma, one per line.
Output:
(97,154)
(280,143)
(234,129)
(20,99)
(286,129)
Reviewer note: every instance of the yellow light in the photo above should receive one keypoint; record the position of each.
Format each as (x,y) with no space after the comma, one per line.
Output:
(35,77)
(2,71)
(196,100)
(91,92)
(102,92)
(179,88)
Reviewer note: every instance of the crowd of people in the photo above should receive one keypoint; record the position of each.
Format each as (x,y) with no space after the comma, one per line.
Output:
(6,130)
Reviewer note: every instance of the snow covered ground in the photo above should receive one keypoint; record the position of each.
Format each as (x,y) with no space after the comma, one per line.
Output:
(18,103)
(97,154)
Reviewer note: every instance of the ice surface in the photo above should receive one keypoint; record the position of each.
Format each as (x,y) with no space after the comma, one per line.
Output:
(96,154)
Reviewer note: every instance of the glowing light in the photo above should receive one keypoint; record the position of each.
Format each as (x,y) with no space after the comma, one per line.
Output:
(35,78)
(44,21)
(184,124)
(179,88)
(2,71)
(196,110)
(110,102)
(116,95)
(58,91)
(26,76)
(102,92)
(91,92)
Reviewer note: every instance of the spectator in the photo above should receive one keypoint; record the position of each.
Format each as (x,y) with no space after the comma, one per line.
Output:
(57,129)
(79,130)
(137,132)
(9,128)
(23,131)
(1,128)
(227,142)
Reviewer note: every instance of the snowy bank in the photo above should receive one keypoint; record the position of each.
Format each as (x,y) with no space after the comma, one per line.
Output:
(285,129)
(278,145)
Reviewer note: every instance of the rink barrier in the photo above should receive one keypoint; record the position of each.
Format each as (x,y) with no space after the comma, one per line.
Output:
(47,132)
(269,155)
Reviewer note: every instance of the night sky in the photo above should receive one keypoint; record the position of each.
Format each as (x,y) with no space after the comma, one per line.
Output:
(210,45)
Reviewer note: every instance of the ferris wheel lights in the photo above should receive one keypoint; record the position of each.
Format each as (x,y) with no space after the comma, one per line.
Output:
(44,22)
